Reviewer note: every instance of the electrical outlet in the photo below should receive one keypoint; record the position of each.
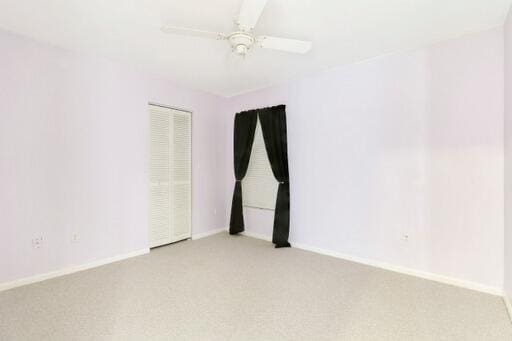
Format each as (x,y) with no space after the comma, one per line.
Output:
(405,237)
(74,237)
(37,242)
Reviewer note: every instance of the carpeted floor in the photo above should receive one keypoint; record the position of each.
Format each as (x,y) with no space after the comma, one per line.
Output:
(239,288)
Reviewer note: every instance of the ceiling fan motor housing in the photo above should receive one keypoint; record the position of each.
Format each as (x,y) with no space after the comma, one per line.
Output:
(241,42)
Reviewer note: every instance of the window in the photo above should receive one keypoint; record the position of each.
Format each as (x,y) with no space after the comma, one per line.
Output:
(259,187)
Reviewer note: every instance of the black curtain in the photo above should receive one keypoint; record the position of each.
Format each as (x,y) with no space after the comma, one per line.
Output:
(245,126)
(273,126)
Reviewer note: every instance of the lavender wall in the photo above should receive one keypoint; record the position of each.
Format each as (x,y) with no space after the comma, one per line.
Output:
(408,144)
(74,157)
(508,157)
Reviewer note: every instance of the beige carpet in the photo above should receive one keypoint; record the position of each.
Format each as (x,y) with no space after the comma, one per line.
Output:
(239,288)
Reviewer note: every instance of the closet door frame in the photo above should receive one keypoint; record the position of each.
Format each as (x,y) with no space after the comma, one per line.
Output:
(190,112)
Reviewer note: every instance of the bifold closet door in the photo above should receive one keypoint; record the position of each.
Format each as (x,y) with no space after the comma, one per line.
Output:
(170,212)
(181,173)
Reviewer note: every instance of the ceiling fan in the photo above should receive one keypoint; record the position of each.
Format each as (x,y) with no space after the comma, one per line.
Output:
(242,40)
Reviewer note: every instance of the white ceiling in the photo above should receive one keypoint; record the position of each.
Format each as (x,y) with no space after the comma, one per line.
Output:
(342,31)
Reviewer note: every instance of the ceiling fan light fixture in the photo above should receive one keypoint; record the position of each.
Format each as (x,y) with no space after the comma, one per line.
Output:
(241,42)
(241,50)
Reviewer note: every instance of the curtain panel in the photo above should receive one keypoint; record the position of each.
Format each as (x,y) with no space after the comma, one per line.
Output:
(273,126)
(245,126)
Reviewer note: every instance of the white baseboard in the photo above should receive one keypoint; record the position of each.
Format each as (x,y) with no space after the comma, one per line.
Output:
(196,236)
(382,265)
(508,304)
(391,267)
(69,270)
(76,268)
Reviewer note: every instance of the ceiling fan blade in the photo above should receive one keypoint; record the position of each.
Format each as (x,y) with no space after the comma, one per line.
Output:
(250,13)
(192,32)
(284,44)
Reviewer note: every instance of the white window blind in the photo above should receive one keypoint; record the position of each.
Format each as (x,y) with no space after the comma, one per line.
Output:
(259,187)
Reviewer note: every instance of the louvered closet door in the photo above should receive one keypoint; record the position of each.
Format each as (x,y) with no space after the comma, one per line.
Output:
(181,197)
(170,212)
